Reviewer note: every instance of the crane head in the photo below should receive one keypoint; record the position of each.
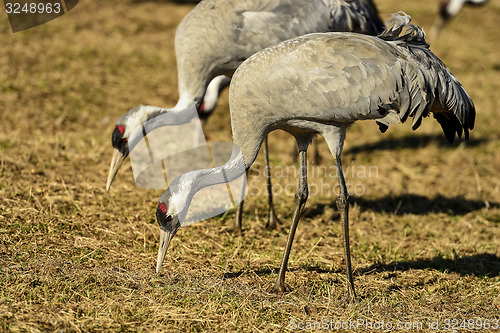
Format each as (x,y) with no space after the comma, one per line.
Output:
(445,14)
(169,224)
(444,10)
(125,125)
(120,152)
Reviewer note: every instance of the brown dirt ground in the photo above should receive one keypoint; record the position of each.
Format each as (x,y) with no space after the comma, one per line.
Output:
(424,216)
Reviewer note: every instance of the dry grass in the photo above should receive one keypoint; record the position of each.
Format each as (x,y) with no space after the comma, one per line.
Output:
(425,222)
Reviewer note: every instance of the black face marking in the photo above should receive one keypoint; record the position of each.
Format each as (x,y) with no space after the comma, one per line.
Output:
(119,142)
(202,113)
(444,10)
(166,221)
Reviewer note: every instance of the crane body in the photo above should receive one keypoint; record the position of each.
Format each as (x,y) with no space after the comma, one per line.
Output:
(218,35)
(321,83)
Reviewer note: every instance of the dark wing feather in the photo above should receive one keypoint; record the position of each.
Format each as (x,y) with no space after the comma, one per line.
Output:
(429,81)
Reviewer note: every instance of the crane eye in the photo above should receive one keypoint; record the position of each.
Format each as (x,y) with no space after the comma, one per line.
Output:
(169,218)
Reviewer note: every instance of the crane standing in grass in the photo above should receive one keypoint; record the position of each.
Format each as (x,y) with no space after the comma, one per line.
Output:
(321,84)
(218,35)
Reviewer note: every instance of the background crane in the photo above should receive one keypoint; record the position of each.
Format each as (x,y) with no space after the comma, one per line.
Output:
(447,10)
(217,36)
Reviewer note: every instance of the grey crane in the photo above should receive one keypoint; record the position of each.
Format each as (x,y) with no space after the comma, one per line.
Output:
(218,35)
(447,10)
(322,83)
(212,95)
(140,114)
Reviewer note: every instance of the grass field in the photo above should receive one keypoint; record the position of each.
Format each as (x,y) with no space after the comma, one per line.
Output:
(425,215)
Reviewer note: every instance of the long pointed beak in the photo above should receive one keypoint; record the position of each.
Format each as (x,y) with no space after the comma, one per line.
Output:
(165,238)
(116,163)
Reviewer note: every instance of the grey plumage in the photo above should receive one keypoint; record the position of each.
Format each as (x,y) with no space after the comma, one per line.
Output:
(429,80)
(218,35)
(322,83)
(350,77)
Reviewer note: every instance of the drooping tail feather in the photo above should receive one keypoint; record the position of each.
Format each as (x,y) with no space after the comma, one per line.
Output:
(431,87)
(396,24)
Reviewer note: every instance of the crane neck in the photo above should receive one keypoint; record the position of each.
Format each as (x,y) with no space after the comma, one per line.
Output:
(150,112)
(153,117)
(187,99)
(184,187)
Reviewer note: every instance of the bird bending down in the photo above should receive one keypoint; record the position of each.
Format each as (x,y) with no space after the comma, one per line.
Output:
(138,115)
(447,10)
(323,83)
(216,86)
(218,35)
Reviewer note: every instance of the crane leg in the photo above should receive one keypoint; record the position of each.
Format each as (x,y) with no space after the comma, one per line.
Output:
(343,207)
(316,156)
(239,209)
(335,140)
(239,216)
(300,201)
(272,222)
(294,154)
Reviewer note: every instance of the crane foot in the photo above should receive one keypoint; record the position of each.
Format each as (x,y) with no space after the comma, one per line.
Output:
(280,288)
(273,222)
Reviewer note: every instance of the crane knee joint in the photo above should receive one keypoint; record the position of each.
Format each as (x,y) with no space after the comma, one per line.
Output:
(342,202)
(302,194)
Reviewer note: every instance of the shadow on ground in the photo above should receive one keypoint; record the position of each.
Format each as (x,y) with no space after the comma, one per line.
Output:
(412,142)
(417,204)
(268,271)
(408,204)
(480,265)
